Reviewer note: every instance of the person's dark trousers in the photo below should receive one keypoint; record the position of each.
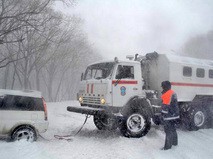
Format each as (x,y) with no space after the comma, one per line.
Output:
(171,134)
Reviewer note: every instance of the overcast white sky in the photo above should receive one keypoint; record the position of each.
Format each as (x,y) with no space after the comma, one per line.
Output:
(121,27)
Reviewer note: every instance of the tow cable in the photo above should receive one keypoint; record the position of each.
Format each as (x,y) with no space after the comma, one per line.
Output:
(69,137)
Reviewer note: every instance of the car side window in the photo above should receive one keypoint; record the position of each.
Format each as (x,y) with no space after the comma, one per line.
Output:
(125,72)
(11,102)
(24,103)
(6,103)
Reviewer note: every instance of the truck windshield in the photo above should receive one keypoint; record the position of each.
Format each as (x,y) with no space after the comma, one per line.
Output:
(99,71)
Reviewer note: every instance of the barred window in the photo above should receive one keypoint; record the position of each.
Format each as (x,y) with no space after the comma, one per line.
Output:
(187,71)
(200,72)
(210,73)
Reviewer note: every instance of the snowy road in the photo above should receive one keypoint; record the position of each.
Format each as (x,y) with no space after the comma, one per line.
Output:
(91,143)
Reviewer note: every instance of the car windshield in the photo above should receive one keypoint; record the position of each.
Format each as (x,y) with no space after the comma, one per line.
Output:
(99,71)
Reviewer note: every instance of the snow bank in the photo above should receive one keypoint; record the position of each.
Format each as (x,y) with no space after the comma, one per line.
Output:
(91,143)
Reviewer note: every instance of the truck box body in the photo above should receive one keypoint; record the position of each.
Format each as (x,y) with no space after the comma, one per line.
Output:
(189,76)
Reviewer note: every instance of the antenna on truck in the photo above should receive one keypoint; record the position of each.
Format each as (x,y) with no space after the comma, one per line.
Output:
(116,59)
(136,57)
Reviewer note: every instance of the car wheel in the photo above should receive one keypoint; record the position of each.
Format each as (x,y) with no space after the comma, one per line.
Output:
(24,133)
(104,122)
(135,125)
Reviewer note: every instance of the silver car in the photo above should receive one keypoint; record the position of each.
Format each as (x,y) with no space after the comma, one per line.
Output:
(23,115)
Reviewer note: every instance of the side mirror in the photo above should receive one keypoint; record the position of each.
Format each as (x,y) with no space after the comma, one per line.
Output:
(82,76)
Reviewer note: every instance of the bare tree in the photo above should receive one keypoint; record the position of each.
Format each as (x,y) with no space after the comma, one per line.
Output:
(44,50)
(200,46)
(16,14)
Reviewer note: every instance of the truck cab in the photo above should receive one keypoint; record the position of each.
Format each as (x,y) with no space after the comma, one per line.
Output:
(110,84)
(112,92)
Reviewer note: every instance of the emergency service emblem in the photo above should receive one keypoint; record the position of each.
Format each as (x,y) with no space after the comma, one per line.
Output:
(123,91)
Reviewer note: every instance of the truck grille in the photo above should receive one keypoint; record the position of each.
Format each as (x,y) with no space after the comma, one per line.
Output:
(91,100)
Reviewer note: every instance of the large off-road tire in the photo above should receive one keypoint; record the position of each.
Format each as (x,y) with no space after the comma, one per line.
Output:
(104,122)
(24,133)
(135,125)
(197,118)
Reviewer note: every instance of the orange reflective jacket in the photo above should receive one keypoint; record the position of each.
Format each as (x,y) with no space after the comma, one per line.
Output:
(167,97)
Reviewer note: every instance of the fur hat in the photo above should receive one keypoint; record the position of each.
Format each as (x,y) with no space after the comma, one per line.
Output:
(166,85)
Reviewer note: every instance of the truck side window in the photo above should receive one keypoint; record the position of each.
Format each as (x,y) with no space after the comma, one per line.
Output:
(210,73)
(125,72)
(200,72)
(187,71)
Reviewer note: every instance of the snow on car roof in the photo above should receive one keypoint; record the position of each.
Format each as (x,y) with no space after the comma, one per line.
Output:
(27,93)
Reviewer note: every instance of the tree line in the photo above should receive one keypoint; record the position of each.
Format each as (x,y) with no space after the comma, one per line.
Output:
(42,49)
(200,46)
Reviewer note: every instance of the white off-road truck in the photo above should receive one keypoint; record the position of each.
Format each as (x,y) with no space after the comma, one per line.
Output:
(126,94)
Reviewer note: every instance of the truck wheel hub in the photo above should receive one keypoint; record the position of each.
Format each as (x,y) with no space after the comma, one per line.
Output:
(135,123)
(199,118)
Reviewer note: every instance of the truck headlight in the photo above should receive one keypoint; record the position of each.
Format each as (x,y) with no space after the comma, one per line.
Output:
(80,99)
(103,101)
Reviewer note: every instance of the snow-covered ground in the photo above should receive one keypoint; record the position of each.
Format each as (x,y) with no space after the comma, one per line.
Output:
(91,143)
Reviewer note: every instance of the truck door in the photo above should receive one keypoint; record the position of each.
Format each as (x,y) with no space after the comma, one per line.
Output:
(126,83)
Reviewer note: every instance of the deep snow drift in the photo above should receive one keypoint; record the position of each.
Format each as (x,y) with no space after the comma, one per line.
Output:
(91,143)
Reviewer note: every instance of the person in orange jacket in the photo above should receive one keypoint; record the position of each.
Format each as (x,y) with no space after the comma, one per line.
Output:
(170,113)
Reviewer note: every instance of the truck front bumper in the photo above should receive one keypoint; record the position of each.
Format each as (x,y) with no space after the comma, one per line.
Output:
(111,111)
(85,110)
